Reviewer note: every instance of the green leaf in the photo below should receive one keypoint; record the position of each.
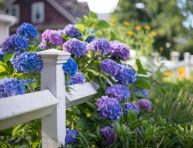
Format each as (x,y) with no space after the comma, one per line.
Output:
(141,70)
(102,24)
(7,57)
(143,84)
(80,27)
(93,15)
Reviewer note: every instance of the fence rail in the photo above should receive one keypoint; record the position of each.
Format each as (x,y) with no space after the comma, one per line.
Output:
(49,104)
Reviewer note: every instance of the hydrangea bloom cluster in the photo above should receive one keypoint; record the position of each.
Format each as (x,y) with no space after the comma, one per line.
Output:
(118,91)
(27,30)
(109,108)
(71,136)
(142,91)
(15,43)
(70,67)
(90,38)
(78,78)
(144,104)
(126,75)
(28,62)
(120,50)
(131,106)
(108,133)
(11,87)
(1,55)
(109,66)
(100,45)
(75,47)
(51,38)
(71,31)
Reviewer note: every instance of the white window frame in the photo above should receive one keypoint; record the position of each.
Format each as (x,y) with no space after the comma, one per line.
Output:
(41,7)
(17,11)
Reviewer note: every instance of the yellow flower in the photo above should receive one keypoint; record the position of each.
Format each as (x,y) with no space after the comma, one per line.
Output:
(88,114)
(181,73)
(130,32)
(153,33)
(147,27)
(137,27)
(113,20)
(126,23)
(168,74)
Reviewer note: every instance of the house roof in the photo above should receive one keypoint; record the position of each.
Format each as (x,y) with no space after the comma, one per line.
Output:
(53,3)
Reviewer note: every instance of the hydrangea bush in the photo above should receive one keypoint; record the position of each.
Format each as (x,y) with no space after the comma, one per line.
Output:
(95,58)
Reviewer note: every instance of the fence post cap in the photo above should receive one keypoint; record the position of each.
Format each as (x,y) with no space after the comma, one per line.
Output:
(60,56)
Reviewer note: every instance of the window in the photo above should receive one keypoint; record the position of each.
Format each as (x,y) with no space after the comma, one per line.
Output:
(38,12)
(14,11)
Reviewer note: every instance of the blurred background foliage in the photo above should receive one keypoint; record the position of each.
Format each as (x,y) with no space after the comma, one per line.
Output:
(170,19)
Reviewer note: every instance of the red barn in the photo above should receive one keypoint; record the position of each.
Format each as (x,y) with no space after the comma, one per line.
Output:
(52,14)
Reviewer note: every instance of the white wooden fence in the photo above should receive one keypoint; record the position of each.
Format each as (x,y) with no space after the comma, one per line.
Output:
(49,104)
(175,64)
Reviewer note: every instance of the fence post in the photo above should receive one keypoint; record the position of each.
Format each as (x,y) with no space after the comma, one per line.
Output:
(52,78)
(187,67)
(175,59)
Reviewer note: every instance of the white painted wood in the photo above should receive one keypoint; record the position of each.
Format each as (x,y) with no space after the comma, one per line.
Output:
(187,61)
(52,78)
(23,108)
(80,93)
(175,59)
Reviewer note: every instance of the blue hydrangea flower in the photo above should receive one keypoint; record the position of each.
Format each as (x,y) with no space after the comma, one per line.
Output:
(71,31)
(118,91)
(100,45)
(143,92)
(109,108)
(131,106)
(28,62)
(126,75)
(119,50)
(144,104)
(71,136)
(11,87)
(70,67)
(108,133)
(110,67)
(90,38)
(15,43)
(75,47)
(27,30)
(1,55)
(78,78)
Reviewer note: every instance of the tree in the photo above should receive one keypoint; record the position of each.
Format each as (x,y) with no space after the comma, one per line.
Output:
(166,16)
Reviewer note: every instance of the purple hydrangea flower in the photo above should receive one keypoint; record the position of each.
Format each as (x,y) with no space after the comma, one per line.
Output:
(78,78)
(71,31)
(28,62)
(143,92)
(15,43)
(109,66)
(51,38)
(75,47)
(109,108)
(108,133)
(70,67)
(131,106)
(71,136)
(118,92)
(126,75)
(100,45)
(27,30)
(11,87)
(144,104)
(120,50)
